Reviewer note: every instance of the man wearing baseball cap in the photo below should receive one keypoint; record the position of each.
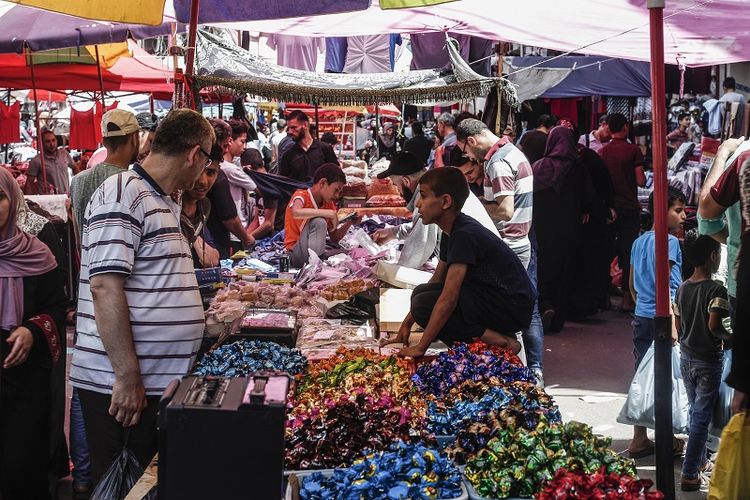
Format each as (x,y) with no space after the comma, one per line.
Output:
(420,240)
(120,135)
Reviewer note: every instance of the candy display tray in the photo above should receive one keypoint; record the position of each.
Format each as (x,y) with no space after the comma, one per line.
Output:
(329,472)
(286,335)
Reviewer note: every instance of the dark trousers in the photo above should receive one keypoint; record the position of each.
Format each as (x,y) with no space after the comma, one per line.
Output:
(626,229)
(477,310)
(106,437)
(25,431)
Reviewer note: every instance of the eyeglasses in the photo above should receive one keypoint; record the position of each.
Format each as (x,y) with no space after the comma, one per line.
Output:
(463,149)
(207,155)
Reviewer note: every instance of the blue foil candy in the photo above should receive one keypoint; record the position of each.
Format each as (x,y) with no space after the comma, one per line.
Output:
(246,356)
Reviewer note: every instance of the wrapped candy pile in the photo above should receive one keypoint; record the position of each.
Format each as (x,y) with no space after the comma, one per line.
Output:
(516,462)
(245,356)
(336,432)
(476,361)
(403,471)
(354,401)
(576,484)
(471,401)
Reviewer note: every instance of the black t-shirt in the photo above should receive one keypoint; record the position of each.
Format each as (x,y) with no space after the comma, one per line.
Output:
(301,165)
(533,144)
(491,262)
(222,209)
(695,300)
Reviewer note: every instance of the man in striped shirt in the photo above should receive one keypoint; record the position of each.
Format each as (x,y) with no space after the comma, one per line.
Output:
(140,319)
(508,183)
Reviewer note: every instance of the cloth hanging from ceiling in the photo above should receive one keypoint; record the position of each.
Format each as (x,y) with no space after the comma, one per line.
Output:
(565,108)
(86,126)
(224,65)
(336,48)
(371,54)
(296,52)
(480,50)
(10,123)
(428,50)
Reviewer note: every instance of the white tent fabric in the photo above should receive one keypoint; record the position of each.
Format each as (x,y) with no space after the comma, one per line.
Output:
(696,32)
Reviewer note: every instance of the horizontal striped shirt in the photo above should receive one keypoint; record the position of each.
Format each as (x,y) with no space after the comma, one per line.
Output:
(131,227)
(507,172)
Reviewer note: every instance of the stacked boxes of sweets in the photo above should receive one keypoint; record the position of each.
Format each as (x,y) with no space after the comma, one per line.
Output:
(321,338)
(354,193)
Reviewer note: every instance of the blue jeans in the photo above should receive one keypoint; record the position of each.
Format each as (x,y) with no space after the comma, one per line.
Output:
(644,332)
(533,337)
(702,380)
(79,449)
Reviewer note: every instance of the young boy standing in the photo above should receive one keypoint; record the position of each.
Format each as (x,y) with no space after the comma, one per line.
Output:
(480,289)
(311,215)
(643,290)
(700,307)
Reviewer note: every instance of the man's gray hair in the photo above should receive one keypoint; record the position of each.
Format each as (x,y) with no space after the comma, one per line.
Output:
(469,127)
(447,119)
(281,124)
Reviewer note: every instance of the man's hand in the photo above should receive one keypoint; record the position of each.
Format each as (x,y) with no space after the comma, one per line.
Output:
(210,257)
(128,400)
(250,242)
(21,341)
(729,146)
(739,401)
(382,236)
(402,337)
(414,351)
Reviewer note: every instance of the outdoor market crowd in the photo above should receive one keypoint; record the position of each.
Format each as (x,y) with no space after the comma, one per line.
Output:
(524,234)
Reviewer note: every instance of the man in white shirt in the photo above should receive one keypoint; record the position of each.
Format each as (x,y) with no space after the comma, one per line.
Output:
(276,139)
(596,139)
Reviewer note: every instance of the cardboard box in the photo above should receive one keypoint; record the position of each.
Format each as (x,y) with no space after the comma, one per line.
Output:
(400,276)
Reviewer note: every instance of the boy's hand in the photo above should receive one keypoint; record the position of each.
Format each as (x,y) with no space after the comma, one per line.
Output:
(412,352)
(402,337)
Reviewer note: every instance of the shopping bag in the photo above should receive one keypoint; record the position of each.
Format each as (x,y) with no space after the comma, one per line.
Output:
(723,406)
(639,406)
(119,479)
(731,476)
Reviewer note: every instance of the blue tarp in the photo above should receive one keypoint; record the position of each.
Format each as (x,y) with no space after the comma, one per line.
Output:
(597,76)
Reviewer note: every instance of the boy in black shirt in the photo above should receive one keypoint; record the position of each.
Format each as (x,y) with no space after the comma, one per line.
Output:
(700,306)
(479,290)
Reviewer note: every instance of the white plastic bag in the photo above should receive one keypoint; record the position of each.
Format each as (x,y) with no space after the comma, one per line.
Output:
(639,406)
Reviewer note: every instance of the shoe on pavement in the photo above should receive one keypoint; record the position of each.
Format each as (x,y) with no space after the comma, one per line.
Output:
(691,484)
(539,377)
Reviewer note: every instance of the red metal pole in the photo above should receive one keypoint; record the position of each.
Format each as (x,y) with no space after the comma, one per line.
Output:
(101,80)
(39,137)
(663,320)
(192,35)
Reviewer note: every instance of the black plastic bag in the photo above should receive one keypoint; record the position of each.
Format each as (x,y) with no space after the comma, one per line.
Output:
(120,478)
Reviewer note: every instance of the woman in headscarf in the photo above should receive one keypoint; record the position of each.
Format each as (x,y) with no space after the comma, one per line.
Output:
(32,313)
(387,141)
(562,195)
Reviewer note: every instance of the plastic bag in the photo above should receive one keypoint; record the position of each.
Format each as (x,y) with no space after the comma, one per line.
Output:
(639,406)
(119,479)
(731,476)
(723,406)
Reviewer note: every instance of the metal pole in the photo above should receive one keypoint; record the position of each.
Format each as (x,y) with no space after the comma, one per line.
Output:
(6,147)
(192,35)
(663,320)
(317,122)
(101,80)
(39,137)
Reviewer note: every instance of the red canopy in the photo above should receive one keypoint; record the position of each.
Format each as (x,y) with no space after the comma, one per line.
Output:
(140,73)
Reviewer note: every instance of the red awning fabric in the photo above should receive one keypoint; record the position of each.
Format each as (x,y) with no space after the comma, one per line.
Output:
(139,73)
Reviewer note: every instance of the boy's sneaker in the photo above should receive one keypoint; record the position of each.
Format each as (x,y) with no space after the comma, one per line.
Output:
(539,377)
(691,484)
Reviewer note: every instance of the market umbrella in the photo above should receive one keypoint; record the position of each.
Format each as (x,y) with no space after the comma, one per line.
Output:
(37,29)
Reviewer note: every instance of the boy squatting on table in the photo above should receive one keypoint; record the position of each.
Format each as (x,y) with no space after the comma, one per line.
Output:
(480,289)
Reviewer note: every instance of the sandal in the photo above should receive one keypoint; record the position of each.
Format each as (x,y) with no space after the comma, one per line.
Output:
(645,452)
(678,447)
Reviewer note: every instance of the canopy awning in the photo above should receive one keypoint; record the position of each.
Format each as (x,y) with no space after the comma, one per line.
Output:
(139,73)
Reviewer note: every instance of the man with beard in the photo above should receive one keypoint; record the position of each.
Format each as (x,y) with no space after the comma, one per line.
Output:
(446,131)
(303,158)
(195,209)
(57,164)
(420,240)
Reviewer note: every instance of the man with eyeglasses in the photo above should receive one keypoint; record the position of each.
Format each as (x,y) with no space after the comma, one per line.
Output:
(140,315)
(420,240)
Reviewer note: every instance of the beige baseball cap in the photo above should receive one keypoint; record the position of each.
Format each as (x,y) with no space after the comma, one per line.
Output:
(118,122)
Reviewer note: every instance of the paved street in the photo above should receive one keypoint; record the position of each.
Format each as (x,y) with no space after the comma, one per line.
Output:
(588,368)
